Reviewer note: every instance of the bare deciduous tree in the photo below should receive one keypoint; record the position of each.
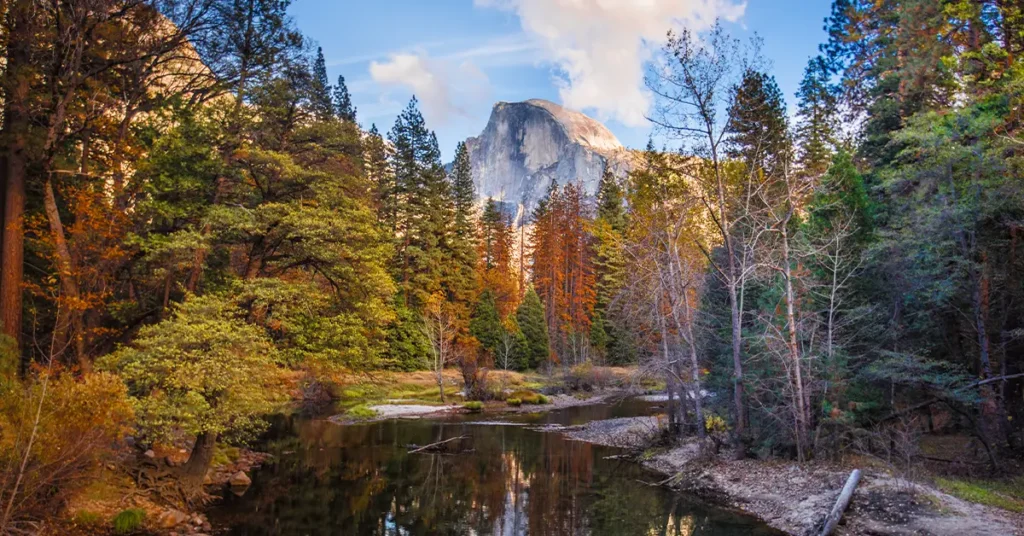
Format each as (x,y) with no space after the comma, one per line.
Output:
(440,328)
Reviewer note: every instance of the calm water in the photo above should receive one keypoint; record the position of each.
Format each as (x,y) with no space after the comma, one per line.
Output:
(503,480)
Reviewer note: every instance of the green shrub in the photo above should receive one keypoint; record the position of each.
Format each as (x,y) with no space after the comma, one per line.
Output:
(526,397)
(128,521)
(514,402)
(361,412)
(541,399)
(85,518)
(475,405)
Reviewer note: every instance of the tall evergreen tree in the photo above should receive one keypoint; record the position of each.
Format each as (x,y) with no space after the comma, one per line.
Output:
(484,324)
(343,101)
(533,325)
(464,229)
(377,161)
(463,192)
(758,133)
(424,209)
(609,265)
(320,89)
(818,117)
(611,202)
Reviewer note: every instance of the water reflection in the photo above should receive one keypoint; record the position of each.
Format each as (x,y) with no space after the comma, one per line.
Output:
(503,480)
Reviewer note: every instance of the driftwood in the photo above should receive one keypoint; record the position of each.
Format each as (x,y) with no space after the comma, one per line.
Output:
(432,445)
(841,503)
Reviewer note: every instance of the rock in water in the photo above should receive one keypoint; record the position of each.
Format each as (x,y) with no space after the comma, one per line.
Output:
(528,144)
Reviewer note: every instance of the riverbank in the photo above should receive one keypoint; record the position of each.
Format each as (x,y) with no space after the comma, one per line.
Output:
(796,498)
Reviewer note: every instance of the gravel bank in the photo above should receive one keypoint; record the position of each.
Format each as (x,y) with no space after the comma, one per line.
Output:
(565,401)
(627,432)
(796,498)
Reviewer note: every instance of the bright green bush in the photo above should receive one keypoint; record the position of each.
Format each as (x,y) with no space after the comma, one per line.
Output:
(475,405)
(360,412)
(129,521)
(529,397)
(514,402)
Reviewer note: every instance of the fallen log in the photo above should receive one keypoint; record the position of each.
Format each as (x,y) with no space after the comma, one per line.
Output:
(841,503)
(432,445)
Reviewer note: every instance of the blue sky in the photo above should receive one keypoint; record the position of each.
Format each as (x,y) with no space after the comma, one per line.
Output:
(462,56)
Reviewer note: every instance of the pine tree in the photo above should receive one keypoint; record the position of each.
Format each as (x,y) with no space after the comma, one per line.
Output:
(489,223)
(609,264)
(464,230)
(818,125)
(320,89)
(611,202)
(496,255)
(532,323)
(343,101)
(424,210)
(463,192)
(376,160)
(758,133)
(485,325)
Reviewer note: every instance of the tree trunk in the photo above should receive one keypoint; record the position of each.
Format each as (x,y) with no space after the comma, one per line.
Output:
(66,272)
(194,471)
(13,255)
(17,123)
(794,349)
(732,282)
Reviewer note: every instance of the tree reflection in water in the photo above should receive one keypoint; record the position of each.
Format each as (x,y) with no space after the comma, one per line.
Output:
(503,480)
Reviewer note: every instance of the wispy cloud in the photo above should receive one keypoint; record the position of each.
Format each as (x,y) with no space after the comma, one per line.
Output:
(446,88)
(600,47)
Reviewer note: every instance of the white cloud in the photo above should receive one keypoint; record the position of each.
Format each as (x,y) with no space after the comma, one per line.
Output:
(444,87)
(600,46)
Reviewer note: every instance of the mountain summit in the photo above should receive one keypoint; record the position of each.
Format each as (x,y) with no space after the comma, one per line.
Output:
(526,145)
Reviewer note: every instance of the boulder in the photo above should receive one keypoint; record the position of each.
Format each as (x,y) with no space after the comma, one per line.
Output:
(240,480)
(171,518)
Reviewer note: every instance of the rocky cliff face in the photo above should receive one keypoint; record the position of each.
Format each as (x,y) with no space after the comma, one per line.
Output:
(526,145)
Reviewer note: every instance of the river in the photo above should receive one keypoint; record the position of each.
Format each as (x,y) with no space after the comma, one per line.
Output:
(506,478)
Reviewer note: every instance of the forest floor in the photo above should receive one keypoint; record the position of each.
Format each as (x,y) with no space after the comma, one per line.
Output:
(796,498)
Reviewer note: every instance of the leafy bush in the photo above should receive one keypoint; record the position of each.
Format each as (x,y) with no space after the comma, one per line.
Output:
(475,405)
(128,521)
(529,397)
(204,370)
(80,422)
(360,412)
(514,402)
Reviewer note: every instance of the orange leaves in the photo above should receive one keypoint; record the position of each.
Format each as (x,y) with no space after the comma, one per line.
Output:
(563,262)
